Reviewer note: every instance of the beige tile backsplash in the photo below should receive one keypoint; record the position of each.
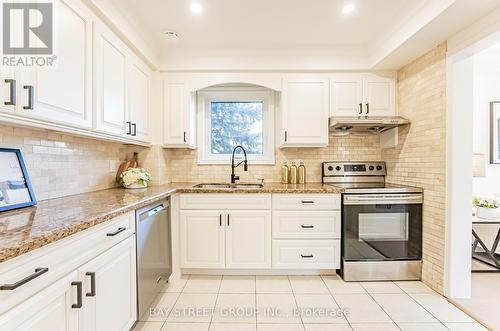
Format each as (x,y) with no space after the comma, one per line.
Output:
(60,164)
(182,164)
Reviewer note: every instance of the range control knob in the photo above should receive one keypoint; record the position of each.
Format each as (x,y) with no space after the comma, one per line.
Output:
(338,168)
(371,168)
(379,168)
(330,168)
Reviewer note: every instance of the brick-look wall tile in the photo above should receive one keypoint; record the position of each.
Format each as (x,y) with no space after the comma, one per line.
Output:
(182,164)
(59,164)
(419,159)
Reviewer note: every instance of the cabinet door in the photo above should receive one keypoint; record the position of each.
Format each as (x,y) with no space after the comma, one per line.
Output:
(113,303)
(202,239)
(305,113)
(379,96)
(139,102)
(49,310)
(110,57)
(248,239)
(8,91)
(63,93)
(179,115)
(346,95)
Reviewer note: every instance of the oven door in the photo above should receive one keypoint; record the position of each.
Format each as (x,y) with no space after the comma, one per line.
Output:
(382,227)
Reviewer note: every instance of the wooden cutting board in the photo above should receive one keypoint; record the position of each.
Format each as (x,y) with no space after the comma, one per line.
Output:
(134,163)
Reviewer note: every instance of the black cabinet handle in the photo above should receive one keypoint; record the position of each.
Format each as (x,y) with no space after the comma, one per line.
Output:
(307,226)
(227,219)
(306,256)
(129,127)
(38,272)
(360,109)
(307,201)
(185,139)
(134,131)
(367,108)
(112,234)
(286,136)
(220,219)
(12,92)
(92,284)
(31,92)
(79,298)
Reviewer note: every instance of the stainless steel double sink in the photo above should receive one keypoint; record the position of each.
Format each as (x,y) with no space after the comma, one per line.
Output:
(240,186)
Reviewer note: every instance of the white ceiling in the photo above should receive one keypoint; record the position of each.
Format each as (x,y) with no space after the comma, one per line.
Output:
(282,34)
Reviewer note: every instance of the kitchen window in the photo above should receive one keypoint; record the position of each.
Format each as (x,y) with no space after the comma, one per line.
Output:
(235,116)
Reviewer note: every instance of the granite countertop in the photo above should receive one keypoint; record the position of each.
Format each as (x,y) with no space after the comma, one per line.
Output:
(26,229)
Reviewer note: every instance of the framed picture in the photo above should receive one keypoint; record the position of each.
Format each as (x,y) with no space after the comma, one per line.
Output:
(15,186)
(495,132)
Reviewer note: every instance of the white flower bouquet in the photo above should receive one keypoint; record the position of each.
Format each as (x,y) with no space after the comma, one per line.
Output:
(486,208)
(135,178)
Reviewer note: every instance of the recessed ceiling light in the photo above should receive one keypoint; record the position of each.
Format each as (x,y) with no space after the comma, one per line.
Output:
(348,8)
(196,7)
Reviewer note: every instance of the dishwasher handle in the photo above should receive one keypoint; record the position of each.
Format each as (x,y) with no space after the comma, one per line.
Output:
(153,211)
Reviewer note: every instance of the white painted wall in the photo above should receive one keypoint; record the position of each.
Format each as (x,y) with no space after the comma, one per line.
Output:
(486,89)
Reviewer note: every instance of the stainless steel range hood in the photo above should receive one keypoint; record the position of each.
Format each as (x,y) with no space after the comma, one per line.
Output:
(343,125)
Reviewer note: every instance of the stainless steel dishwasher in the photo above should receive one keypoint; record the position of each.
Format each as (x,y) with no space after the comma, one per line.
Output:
(154,258)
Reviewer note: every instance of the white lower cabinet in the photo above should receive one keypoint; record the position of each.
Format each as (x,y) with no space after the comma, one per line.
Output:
(49,310)
(110,301)
(225,239)
(202,239)
(248,239)
(306,254)
(280,231)
(92,288)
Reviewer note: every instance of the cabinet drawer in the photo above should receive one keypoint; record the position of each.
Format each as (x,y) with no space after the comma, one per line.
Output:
(250,201)
(306,254)
(81,247)
(306,225)
(306,201)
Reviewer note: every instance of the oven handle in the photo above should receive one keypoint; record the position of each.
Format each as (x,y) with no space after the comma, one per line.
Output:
(383,199)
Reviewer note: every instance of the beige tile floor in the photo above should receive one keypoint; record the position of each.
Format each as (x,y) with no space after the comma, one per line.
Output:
(227,303)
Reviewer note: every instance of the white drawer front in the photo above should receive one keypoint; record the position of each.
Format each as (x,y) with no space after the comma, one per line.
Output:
(306,254)
(306,225)
(249,201)
(306,201)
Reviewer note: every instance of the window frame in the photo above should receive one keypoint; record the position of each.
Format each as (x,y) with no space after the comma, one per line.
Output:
(235,94)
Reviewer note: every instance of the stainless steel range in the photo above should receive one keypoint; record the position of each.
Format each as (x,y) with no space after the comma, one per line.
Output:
(381,223)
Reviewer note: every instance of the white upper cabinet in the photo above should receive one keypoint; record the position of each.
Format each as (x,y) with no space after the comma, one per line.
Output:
(110,61)
(379,96)
(8,91)
(179,113)
(304,112)
(139,102)
(346,95)
(63,93)
(362,95)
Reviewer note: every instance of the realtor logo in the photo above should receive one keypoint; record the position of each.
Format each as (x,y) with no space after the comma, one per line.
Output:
(27,28)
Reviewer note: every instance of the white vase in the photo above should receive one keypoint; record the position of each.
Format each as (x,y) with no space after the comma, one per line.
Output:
(487,213)
(136,185)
